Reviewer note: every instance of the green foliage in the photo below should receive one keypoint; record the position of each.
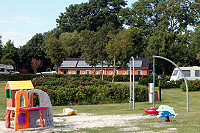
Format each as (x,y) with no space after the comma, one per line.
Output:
(56,51)
(146,80)
(91,15)
(71,43)
(35,48)
(192,85)
(86,90)
(164,82)
(9,54)
(17,77)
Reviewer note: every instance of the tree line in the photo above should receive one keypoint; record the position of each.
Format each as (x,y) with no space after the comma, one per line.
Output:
(107,30)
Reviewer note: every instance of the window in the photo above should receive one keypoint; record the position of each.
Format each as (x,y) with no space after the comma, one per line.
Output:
(175,72)
(2,69)
(77,71)
(139,72)
(116,72)
(65,71)
(83,72)
(101,71)
(186,73)
(197,73)
(87,71)
(110,73)
(128,72)
(124,73)
(96,72)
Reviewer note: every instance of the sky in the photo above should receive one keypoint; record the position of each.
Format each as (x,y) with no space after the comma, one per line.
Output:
(20,20)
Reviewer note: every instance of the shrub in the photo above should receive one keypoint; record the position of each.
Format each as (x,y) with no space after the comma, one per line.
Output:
(16,77)
(146,80)
(164,81)
(192,85)
(86,90)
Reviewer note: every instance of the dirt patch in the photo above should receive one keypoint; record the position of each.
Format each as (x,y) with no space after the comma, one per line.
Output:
(83,120)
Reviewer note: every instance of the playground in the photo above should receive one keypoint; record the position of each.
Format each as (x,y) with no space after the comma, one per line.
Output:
(118,117)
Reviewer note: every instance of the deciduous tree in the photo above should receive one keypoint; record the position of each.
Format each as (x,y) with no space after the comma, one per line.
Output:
(35,64)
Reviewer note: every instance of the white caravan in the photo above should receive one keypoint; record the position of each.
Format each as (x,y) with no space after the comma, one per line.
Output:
(190,73)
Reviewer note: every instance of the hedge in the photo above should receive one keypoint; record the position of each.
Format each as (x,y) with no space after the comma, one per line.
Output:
(86,90)
(16,77)
(192,85)
(164,81)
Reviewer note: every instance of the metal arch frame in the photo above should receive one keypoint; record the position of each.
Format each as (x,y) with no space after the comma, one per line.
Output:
(187,95)
(132,60)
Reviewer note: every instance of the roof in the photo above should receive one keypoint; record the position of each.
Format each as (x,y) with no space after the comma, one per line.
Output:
(8,67)
(19,85)
(140,63)
(80,63)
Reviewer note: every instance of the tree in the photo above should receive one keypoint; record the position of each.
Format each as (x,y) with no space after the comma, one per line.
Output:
(195,44)
(90,48)
(10,52)
(35,64)
(175,16)
(103,39)
(160,43)
(71,43)
(35,48)
(91,15)
(117,43)
(56,52)
(1,46)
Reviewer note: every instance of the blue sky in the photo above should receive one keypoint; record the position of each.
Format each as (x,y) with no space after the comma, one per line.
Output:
(22,19)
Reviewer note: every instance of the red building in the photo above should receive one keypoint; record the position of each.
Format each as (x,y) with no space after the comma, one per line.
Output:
(79,66)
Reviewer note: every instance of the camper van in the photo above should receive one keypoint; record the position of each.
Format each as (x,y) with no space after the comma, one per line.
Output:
(5,69)
(190,73)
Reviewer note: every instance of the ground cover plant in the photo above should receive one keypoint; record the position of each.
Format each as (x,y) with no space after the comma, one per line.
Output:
(86,90)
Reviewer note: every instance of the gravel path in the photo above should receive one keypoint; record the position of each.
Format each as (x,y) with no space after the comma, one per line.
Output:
(83,120)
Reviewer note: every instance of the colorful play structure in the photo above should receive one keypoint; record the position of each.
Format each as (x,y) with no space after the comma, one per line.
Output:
(20,106)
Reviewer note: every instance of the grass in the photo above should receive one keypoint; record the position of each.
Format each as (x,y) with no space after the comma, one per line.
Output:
(184,122)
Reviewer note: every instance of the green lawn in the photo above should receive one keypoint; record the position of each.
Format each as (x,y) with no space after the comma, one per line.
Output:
(176,98)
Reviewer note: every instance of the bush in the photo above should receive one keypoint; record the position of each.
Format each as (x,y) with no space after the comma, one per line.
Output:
(86,90)
(146,80)
(192,85)
(164,81)
(17,77)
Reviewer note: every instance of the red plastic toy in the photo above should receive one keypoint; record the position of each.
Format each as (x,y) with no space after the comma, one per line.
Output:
(151,110)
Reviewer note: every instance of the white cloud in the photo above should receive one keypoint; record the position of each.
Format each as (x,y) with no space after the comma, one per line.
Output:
(3,21)
(26,19)
(19,38)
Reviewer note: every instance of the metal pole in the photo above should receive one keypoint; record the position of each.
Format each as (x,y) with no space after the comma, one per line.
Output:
(159,90)
(133,84)
(154,82)
(130,84)
(187,94)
